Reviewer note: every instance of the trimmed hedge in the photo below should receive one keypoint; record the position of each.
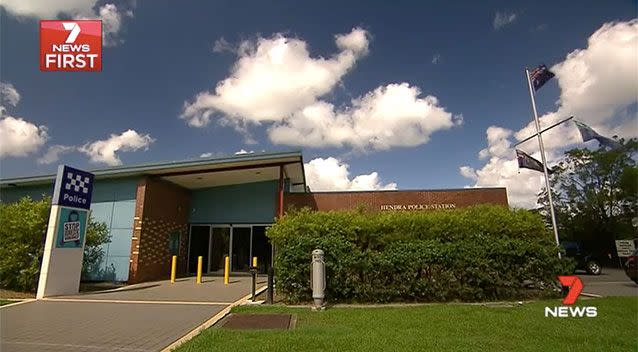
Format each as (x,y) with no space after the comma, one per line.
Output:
(473,254)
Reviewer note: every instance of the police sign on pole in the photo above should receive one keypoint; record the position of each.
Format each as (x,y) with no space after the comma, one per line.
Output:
(73,188)
(66,233)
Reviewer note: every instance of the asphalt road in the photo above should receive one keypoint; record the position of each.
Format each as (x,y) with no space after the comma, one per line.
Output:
(612,282)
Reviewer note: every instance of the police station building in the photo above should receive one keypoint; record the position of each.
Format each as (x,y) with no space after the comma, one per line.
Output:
(215,207)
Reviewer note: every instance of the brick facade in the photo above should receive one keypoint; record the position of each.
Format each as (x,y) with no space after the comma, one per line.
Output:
(161,209)
(397,200)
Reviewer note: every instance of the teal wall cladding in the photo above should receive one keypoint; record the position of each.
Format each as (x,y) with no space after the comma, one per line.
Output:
(13,194)
(244,203)
(113,203)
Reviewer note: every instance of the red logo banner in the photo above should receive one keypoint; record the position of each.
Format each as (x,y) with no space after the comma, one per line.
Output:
(71,45)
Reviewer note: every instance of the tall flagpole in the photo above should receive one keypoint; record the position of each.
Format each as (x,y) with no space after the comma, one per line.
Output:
(542,148)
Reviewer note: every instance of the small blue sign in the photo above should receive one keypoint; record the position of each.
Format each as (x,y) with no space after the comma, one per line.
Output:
(73,188)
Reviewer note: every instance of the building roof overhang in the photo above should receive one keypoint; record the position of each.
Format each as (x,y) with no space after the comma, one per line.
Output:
(200,173)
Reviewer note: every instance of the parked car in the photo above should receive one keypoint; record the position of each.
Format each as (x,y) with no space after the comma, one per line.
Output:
(587,261)
(631,266)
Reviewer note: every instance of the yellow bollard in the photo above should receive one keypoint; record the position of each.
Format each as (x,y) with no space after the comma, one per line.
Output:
(199,269)
(255,262)
(226,269)
(173,269)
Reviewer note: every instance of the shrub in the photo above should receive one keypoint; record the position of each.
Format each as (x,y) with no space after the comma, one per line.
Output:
(473,254)
(23,226)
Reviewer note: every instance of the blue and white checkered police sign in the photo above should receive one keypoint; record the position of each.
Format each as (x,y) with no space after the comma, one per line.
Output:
(73,188)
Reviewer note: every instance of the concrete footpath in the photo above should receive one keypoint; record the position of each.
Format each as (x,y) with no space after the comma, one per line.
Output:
(145,317)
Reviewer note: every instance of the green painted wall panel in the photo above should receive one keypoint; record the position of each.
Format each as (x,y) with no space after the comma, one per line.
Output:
(244,203)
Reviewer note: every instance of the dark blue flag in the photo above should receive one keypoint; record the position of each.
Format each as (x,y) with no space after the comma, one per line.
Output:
(539,76)
(588,133)
(527,162)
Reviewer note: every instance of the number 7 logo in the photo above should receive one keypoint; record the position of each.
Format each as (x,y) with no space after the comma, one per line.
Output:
(575,288)
(74,31)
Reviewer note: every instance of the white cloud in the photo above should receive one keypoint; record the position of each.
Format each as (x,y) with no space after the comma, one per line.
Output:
(19,137)
(502,19)
(276,81)
(110,14)
(390,116)
(111,24)
(273,78)
(8,94)
(206,155)
(53,153)
(331,174)
(104,151)
(221,45)
(598,84)
(468,172)
(498,143)
(46,8)
(244,151)
(354,43)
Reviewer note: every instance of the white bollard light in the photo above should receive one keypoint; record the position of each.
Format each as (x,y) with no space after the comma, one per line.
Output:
(318,278)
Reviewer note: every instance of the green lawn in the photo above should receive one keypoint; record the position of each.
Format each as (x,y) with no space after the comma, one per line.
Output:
(5,302)
(441,327)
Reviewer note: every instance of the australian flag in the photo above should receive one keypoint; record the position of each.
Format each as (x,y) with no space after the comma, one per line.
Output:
(527,162)
(539,76)
(588,133)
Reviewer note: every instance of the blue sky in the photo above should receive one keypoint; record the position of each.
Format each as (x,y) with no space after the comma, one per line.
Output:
(164,57)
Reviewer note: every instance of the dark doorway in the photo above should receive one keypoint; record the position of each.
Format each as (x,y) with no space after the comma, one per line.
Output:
(261,249)
(219,247)
(198,247)
(241,249)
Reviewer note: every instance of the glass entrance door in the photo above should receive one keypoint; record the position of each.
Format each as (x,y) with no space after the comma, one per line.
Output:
(198,247)
(219,248)
(240,253)
(261,249)
(239,242)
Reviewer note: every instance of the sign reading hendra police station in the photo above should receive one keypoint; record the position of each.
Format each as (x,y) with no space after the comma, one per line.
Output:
(66,233)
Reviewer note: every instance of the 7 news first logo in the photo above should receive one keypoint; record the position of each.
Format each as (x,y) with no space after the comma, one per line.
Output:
(71,45)
(569,311)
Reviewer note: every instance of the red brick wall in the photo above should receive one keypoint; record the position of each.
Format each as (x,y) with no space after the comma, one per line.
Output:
(161,209)
(397,200)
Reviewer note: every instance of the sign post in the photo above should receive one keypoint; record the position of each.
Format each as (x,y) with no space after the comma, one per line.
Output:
(66,233)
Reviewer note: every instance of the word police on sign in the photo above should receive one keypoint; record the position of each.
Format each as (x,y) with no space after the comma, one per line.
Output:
(73,188)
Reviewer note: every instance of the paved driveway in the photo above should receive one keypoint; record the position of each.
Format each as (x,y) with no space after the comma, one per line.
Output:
(211,290)
(612,282)
(83,326)
(145,317)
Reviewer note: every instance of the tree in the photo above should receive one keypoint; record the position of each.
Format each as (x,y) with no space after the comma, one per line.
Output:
(595,195)
(22,233)
(97,234)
